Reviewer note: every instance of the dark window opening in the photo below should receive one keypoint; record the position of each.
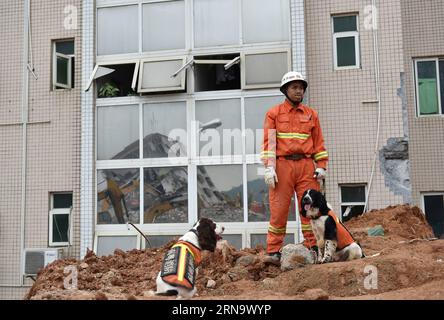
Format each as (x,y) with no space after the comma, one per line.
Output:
(213,76)
(117,83)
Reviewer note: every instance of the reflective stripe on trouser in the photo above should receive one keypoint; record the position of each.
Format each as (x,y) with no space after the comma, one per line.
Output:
(293,176)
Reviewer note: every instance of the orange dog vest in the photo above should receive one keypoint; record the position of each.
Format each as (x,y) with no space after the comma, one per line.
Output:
(179,265)
(344,236)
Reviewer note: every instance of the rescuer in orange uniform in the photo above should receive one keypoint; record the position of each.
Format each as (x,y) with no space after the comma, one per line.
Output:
(294,156)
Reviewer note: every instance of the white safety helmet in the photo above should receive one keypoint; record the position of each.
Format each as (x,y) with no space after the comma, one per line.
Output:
(290,77)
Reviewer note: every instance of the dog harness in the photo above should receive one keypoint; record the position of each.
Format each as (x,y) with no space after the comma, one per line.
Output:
(344,236)
(179,265)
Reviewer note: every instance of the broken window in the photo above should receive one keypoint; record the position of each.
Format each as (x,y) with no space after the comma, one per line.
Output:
(165,195)
(118,132)
(227,180)
(264,69)
(430,86)
(59,219)
(346,41)
(118,30)
(158,75)
(118,196)
(169,17)
(63,64)
(217,72)
(352,201)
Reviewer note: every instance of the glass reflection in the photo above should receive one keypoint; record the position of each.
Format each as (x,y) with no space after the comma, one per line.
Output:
(165,195)
(219,191)
(118,196)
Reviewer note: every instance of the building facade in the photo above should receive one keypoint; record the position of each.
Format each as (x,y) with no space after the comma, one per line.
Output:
(120,112)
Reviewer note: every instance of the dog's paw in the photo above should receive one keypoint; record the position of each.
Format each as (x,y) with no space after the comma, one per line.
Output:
(326,259)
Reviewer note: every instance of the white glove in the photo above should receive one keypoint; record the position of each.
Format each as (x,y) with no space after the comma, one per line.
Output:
(320,173)
(270,177)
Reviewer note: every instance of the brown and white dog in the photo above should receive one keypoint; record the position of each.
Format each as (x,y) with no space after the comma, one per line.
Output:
(179,267)
(334,241)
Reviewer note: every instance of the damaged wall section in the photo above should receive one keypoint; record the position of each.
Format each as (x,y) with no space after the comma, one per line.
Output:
(394,162)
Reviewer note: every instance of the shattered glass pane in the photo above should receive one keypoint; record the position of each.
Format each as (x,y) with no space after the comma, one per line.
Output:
(118,196)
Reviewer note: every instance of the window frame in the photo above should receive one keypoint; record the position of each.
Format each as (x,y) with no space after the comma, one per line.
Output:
(438,84)
(117,233)
(110,63)
(182,74)
(56,85)
(246,53)
(341,204)
(423,195)
(346,34)
(59,211)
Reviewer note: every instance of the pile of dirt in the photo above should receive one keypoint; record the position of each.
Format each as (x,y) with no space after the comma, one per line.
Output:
(402,259)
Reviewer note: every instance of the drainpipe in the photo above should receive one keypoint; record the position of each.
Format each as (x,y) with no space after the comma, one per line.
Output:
(378,98)
(25,87)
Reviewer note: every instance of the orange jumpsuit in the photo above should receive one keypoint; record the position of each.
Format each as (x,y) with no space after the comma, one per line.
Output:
(287,131)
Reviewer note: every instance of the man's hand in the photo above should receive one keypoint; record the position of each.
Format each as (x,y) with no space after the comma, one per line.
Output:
(320,174)
(270,177)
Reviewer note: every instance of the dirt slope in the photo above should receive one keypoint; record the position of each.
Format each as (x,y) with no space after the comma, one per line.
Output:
(406,265)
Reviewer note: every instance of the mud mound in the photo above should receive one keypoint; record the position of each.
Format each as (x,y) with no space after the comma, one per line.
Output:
(400,221)
(403,260)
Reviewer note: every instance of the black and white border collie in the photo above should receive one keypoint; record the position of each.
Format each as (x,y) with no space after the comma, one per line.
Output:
(334,241)
(179,272)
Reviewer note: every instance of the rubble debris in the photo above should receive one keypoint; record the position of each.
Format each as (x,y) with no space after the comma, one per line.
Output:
(411,267)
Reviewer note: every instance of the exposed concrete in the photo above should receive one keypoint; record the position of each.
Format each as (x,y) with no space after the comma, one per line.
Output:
(394,160)
(401,94)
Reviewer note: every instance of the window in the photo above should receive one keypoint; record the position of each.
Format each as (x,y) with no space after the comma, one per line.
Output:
(257,239)
(264,69)
(216,23)
(255,110)
(429,74)
(352,201)
(163,25)
(118,132)
(217,72)
(115,79)
(161,75)
(433,205)
(117,30)
(106,244)
(59,219)
(258,197)
(234,240)
(346,42)
(219,120)
(118,196)
(165,195)
(63,64)
(265,21)
(220,192)
(164,136)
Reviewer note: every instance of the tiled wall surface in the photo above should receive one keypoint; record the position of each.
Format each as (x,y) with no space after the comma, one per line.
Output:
(53,132)
(423,37)
(342,97)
